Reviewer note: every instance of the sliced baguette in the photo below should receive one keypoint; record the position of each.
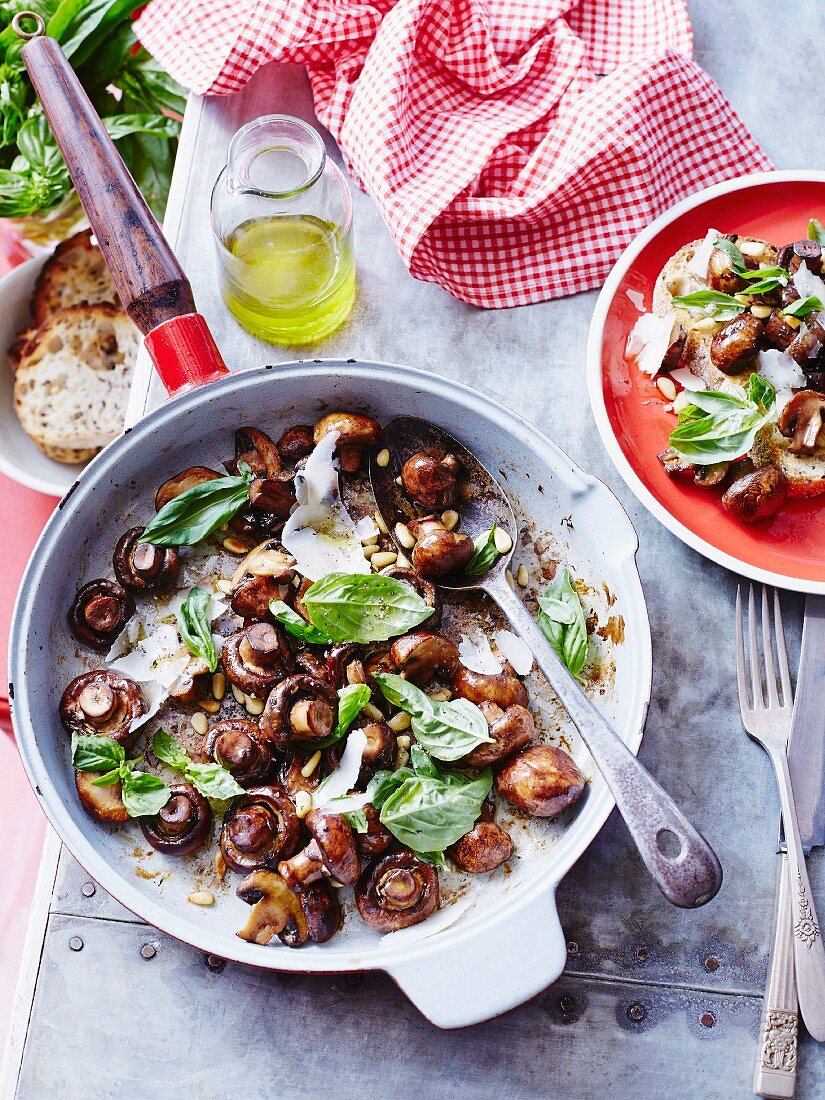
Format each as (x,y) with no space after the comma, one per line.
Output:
(805,473)
(72,382)
(74,274)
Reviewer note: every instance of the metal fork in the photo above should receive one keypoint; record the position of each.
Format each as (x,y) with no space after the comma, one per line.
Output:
(768,723)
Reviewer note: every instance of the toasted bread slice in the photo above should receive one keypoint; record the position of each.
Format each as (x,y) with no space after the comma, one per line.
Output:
(805,473)
(75,274)
(72,382)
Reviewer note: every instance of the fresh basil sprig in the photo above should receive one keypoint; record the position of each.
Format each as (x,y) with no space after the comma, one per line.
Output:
(765,278)
(803,306)
(485,554)
(199,511)
(352,698)
(447,730)
(719,427)
(142,794)
(715,304)
(212,780)
(364,607)
(816,231)
(195,628)
(292,622)
(562,621)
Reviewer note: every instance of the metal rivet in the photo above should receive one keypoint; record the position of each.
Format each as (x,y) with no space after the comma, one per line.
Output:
(566,1004)
(88,889)
(642,954)
(76,943)
(572,948)
(637,1012)
(214,963)
(707,1019)
(148,951)
(711,963)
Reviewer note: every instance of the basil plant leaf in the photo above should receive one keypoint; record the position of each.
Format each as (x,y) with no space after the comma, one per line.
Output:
(169,751)
(446,730)
(816,231)
(429,813)
(198,512)
(195,629)
(715,304)
(724,427)
(364,608)
(402,694)
(358,820)
(803,306)
(732,251)
(109,779)
(767,283)
(421,762)
(761,391)
(92,753)
(485,554)
(352,698)
(213,781)
(293,624)
(384,783)
(568,638)
(143,794)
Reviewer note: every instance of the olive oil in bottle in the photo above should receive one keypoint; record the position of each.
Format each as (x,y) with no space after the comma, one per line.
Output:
(288,278)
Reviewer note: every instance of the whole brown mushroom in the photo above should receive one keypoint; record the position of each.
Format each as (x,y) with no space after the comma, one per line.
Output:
(503,688)
(432,484)
(102,803)
(262,576)
(737,343)
(259,829)
(378,753)
(542,780)
(99,612)
(143,568)
(331,852)
(103,703)
(397,891)
(237,745)
(510,729)
(377,839)
(300,708)
(255,658)
(182,825)
(296,442)
(291,774)
(756,496)
(420,655)
(438,551)
(721,274)
(355,432)
(257,450)
(483,849)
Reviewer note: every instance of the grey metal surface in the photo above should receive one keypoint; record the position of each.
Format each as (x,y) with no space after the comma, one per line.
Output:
(107,1022)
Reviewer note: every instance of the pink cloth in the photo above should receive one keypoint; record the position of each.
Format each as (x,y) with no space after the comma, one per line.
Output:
(514,147)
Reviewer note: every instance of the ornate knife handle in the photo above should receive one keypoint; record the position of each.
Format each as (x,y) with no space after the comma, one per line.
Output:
(775,1074)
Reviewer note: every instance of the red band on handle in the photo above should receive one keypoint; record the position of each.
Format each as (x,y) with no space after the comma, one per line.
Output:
(185,353)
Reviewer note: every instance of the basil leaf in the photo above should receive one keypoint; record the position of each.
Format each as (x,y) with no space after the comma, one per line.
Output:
(429,813)
(195,629)
(816,231)
(731,250)
(446,730)
(198,512)
(569,639)
(402,694)
(766,284)
(364,608)
(358,820)
(761,391)
(169,751)
(92,753)
(351,701)
(109,779)
(143,794)
(484,556)
(292,622)
(722,307)
(776,276)
(384,783)
(557,610)
(725,431)
(803,306)
(213,781)
(421,763)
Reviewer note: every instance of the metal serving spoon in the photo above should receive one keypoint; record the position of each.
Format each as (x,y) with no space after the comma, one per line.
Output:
(682,863)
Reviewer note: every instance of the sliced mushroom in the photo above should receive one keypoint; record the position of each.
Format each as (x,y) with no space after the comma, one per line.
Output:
(431,483)
(299,707)
(503,688)
(331,852)
(259,829)
(181,483)
(99,612)
(425,589)
(141,567)
(808,252)
(711,474)
(257,450)
(483,849)
(721,273)
(237,745)
(673,464)
(379,750)
(778,333)
(182,825)
(354,433)
(542,780)
(377,839)
(275,907)
(756,496)
(397,891)
(255,658)
(344,665)
(419,656)
(190,686)
(802,419)
(103,803)
(673,356)
(310,663)
(296,442)
(511,730)
(259,578)
(274,496)
(438,551)
(378,660)
(737,343)
(103,703)
(322,913)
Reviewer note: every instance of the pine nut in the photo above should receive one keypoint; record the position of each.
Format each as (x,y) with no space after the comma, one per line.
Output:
(404,536)
(225,586)
(761,312)
(220,864)
(382,527)
(372,711)
(211,706)
(522,576)
(223,527)
(370,550)
(743,299)
(510,579)
(382,560)
(202,897)
(504,544)
(667,387)
(235,547)
(200,723)
(254,706)
(794,322)
(682,401)
(399,482)
(402,561)
(303,803)
(403,742)
(442,695)
(219,685)
(706,324)
(400,721)
(239,695)
(311,764)
(371,540)
(450,519)
(754,249)
(402,759)
(382,458)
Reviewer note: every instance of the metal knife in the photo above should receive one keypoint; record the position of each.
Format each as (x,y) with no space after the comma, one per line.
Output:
(776,1071)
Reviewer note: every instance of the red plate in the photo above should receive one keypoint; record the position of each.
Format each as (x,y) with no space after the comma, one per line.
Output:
(788,551)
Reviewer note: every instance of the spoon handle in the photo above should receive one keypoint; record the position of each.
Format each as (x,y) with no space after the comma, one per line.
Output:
(682,863)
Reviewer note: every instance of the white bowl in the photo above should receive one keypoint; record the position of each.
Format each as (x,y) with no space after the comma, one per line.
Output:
(20,459)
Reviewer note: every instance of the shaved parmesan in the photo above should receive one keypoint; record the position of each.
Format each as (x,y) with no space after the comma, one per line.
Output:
(476,655)
(780,370)
(217,604)
(154,695)
(649,341)
(637,298)
(320,534)
(366,528)
(344,778)
(808,284)
(440,920)
(126,639)
(516,651)
(698,264)
(687,379)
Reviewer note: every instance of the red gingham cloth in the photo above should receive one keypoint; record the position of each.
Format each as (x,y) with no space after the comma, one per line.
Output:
(514,147)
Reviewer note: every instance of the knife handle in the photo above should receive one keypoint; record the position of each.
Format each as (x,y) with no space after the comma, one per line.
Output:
(775,1074)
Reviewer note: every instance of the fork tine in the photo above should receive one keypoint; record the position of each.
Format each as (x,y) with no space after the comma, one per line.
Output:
(781,652)
(741,675)
(753,648)
(767,647)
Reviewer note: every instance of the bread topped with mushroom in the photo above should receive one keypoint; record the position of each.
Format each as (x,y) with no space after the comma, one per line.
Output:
(739,319)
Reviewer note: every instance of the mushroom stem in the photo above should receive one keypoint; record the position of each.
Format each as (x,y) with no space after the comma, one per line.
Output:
(305,867)
(399,889)
(311,717)
(260,645)
(97,700)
